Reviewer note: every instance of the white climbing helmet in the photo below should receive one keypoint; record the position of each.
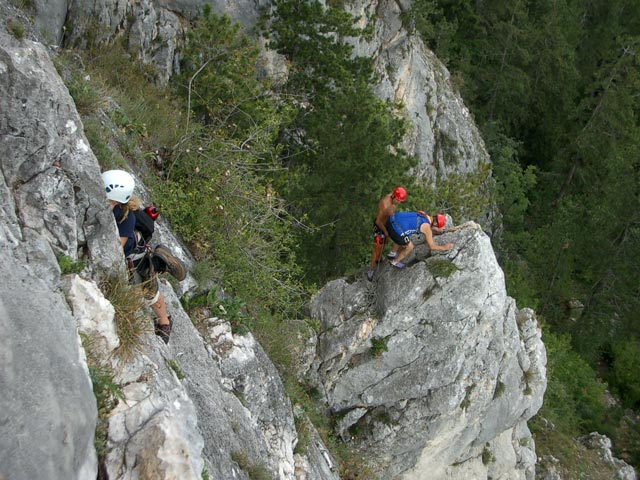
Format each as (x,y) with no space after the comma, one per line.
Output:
(118,185)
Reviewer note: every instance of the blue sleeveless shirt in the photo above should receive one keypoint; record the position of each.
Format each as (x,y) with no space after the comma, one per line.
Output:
(407,223)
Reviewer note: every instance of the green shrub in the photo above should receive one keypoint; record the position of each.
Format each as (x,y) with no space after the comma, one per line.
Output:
(67,265)
(343,148)
(234,310)
(225,209)
(574,399)
(625,371)
(463,196)
(217,77)
(207,299)
(378,345)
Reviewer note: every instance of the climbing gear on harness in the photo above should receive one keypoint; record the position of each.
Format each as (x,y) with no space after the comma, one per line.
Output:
(379,243)
(145,222)
(152,211)
(142,233)
(400,194)
(118,185)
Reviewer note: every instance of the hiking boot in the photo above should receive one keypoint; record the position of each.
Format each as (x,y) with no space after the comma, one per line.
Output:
(172,264)
(370,275)
(392,255)
(398,264)
(163,331)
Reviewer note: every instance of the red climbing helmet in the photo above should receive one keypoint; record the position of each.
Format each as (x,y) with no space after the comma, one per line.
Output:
(440,220)
(400,194)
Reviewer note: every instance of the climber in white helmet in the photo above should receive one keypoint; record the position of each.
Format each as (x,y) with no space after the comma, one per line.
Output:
(119,186)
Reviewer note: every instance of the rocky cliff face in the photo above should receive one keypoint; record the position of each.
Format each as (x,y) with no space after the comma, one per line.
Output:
(432,371)
(49,207)
(443,136)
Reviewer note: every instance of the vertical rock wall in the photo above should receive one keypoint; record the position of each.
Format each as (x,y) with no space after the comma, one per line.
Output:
(443,136)
(51,206)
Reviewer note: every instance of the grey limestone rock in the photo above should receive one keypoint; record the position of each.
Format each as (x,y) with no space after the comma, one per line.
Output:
(51,178)
(47,408)
(443,135)
(433,365)
(50,16)
(187,407)
(602,444)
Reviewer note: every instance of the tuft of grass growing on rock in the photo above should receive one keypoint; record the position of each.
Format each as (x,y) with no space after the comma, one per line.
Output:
(175,366)
(16,28)
(88,93)
(128,302)
(23,4)
(378,345)
(254,471)
(98,134)
(466,402)
(499,390)
(152,117)
(442,268)
(487,456)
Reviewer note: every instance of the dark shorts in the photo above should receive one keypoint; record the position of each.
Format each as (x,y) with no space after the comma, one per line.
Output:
(395,236)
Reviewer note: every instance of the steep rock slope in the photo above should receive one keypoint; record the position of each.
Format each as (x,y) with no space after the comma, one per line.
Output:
(443,136)
(46,400)
(432,370)
(203,403)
